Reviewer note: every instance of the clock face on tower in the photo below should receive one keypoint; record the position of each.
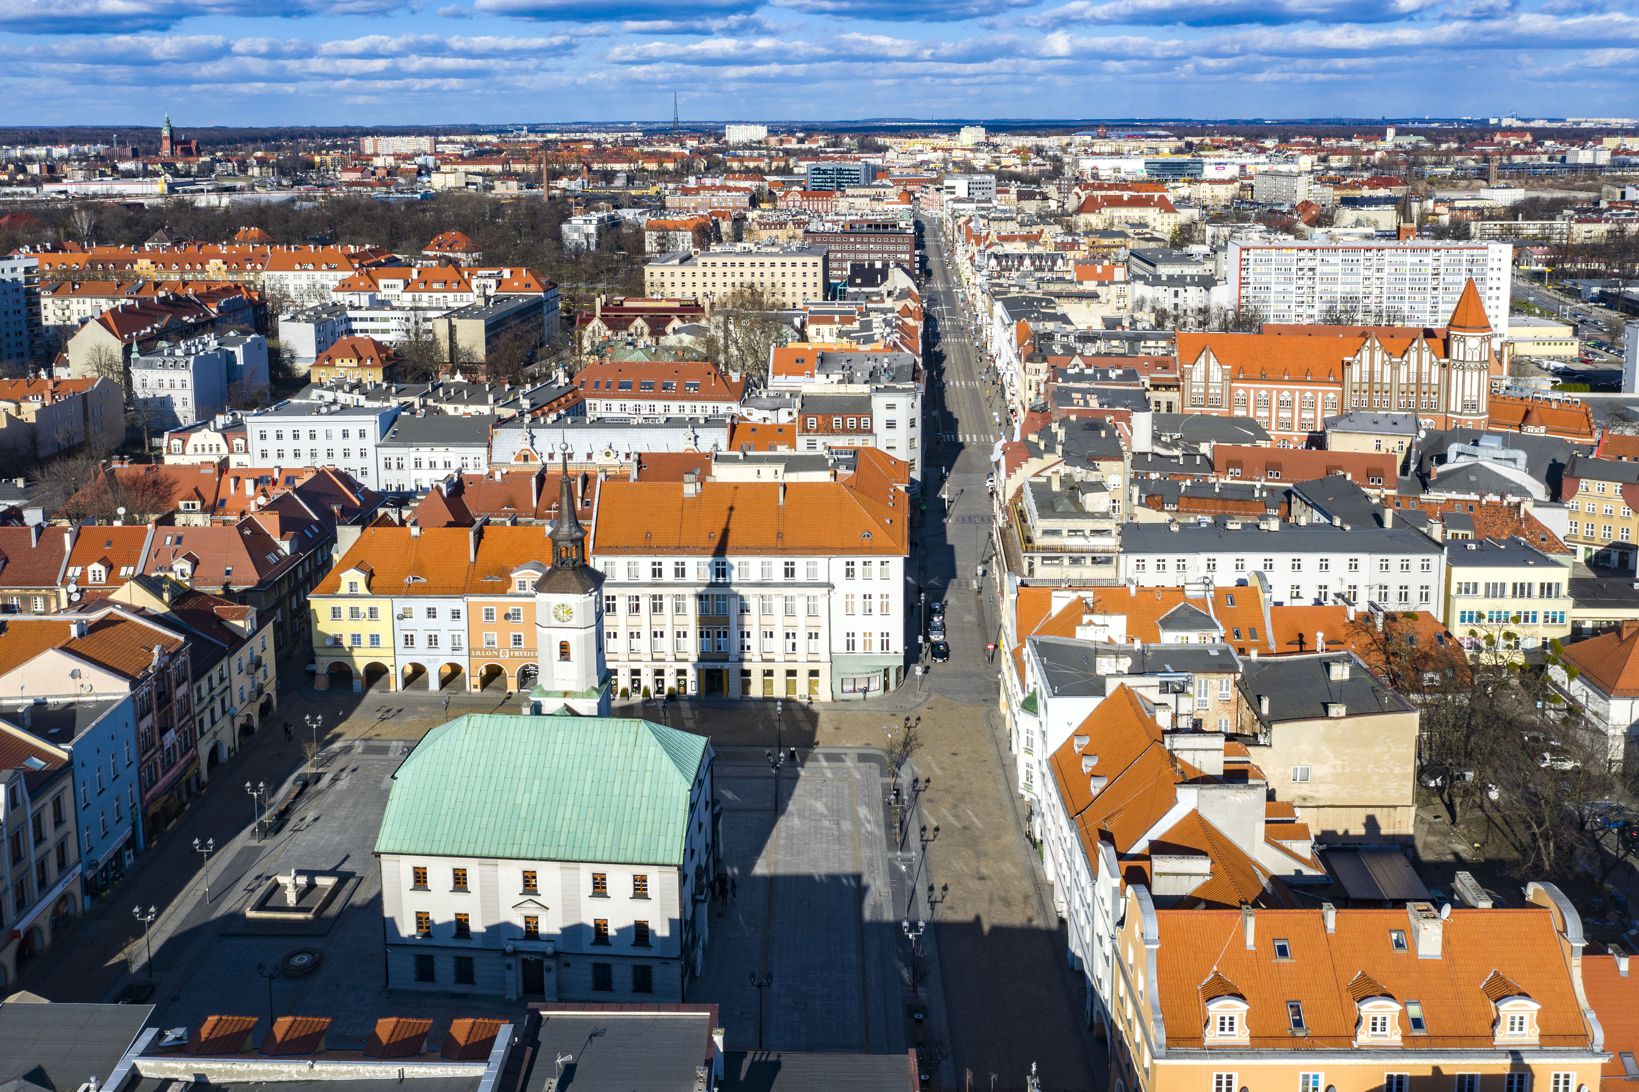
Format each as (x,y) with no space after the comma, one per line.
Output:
(563,612)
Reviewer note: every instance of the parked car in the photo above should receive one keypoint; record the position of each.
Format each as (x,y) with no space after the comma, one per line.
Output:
(936,629)
(936,609)
(940,652)
(1550,761)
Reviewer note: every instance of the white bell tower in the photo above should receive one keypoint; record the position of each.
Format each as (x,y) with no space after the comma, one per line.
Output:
(574,676)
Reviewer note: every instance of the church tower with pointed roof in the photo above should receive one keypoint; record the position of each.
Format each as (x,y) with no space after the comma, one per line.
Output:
(1471,356)
(573,673)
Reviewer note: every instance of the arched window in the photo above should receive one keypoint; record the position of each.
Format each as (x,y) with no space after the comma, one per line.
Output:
(563,651)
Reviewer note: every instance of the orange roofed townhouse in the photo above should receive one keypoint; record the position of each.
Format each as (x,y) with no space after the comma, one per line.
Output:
(1291,378)
(636,389)
(738,589)
(1353,999)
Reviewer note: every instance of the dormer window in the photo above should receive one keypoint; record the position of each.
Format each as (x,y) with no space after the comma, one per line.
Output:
(1397,939)
(96,574)
(1377,1025)
(1283,949)
(1228,1025)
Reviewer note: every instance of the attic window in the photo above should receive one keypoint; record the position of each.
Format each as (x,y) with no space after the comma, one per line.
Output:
(1414,1017)
(1397,939)
(1294,1016)
(1283,949)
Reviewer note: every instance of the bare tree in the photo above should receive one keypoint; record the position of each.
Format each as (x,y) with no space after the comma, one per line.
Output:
(745,327)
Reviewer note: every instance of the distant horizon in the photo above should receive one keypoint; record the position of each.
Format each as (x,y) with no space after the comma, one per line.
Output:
(373,63)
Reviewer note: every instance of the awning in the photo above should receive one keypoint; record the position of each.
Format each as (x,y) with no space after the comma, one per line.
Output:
(1375,874)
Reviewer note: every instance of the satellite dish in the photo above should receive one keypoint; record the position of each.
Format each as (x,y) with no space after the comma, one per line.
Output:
(75,597)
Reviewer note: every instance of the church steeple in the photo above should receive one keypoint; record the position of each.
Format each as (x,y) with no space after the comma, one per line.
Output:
(568,536)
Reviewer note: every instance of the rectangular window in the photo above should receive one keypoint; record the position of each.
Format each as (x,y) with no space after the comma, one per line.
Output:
(1228,1024)
(1294,1016)
(1518,1024)
(1562,1081)
(600,885)
(1300,774)
(1414,1017)
(1467,1082)
(1283,949)
(458,879)
(423,923)
(642,978)
(1223,1082)
(418,878)
(1377,1025)
(640,886)
(463,925)
(489,614)
(1311,1082)
(464,971)
(1397,939)
(426,969)
(532,927)
(600,930)
(1516,1082)
(640,934)
(531,885)
(1396,1082)
(603,978)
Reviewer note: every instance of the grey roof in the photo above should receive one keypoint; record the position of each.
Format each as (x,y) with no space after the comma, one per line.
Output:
(1602,470)
(1298,687)
(1171,492)
(1341,501)
(1069,667)
(1545,456)
(766,1072)
(828,402)
(1186,616)
(1475,478)
(1080,442)
(1032,309)
(621,1052)
(1105,396)
(1149,463)
(440,430)
(1595,592)
(1497,553)
(1201,428)
(49,720)
(1375,873)
(1374,424)
(1215,537)
(61,1047)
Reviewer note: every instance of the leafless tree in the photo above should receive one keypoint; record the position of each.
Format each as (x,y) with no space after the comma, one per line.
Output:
(745,327)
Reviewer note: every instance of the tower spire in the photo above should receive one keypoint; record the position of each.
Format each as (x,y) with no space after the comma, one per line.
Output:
(568,536)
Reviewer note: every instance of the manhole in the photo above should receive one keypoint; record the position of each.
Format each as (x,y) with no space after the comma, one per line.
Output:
(301,961)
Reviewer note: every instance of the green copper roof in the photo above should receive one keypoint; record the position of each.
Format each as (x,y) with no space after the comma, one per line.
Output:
(613,790)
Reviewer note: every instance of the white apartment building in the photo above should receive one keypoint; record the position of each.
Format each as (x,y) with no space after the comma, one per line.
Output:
(888,382)
(1395,567)
(789,277)
(19,309)
(499,883)
(299,433)
(745,133)
(751,589)
(179,384)
(428,629)
(419,451)
(980,188)
(1416,282)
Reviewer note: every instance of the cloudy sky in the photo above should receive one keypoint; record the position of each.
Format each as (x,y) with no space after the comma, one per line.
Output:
(112,62)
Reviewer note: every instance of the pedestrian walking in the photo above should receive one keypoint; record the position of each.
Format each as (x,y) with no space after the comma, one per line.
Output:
(733,889)
(288,734)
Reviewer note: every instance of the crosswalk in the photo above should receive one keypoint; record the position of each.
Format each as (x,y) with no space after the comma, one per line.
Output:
(963,438)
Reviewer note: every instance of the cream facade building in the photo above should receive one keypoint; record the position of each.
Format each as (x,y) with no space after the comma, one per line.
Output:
(789,277)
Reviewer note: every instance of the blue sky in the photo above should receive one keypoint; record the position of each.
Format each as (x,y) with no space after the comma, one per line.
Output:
(253,62)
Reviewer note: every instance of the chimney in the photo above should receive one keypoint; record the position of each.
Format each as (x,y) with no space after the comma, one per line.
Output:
(1628,628)
(34,535)
(1263,705)
(1249,927)
(1328,916)
(691,485)
(1337,670)
(474,534)
(1621,963)
(782,491)
(76,628)
(415,528)
(1427,925)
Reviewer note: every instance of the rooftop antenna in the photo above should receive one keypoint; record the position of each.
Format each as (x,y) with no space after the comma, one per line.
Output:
(675,125)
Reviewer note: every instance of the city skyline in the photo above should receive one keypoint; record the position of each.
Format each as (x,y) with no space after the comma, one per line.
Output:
(388,62)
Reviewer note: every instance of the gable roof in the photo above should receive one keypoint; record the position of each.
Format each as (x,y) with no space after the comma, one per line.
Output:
(1610,661)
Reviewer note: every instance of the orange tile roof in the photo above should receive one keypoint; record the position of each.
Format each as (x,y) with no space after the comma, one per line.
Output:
(1610,661)
(470,1040)
(762,436)
(357,351)
(1248,463)
(218,1035)
(747,517)
(1615,1000)
(604,379)
(1470,317)
(296,1035)
(1238,610)
(1567,418)
(1236,878)
(1325,972)
(398,1037)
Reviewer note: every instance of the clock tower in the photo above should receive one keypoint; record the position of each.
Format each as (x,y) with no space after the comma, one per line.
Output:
(569,622)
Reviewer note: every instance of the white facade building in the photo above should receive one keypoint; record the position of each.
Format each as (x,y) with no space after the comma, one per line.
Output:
(1412,283)
(298,433)
(745,133)
(1395,567)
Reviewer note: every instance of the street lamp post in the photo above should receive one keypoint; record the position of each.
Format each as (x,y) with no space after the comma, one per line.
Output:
(761,983)
(270,974)
(147,918)
(257,793)
(205,849)
(922,619)
(776,757)
(314,720)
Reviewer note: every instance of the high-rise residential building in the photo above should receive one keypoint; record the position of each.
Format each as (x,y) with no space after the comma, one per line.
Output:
(969,135)
(745,133)
(1415,282)
(19,310)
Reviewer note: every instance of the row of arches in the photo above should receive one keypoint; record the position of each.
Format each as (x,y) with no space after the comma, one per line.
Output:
(375,675)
